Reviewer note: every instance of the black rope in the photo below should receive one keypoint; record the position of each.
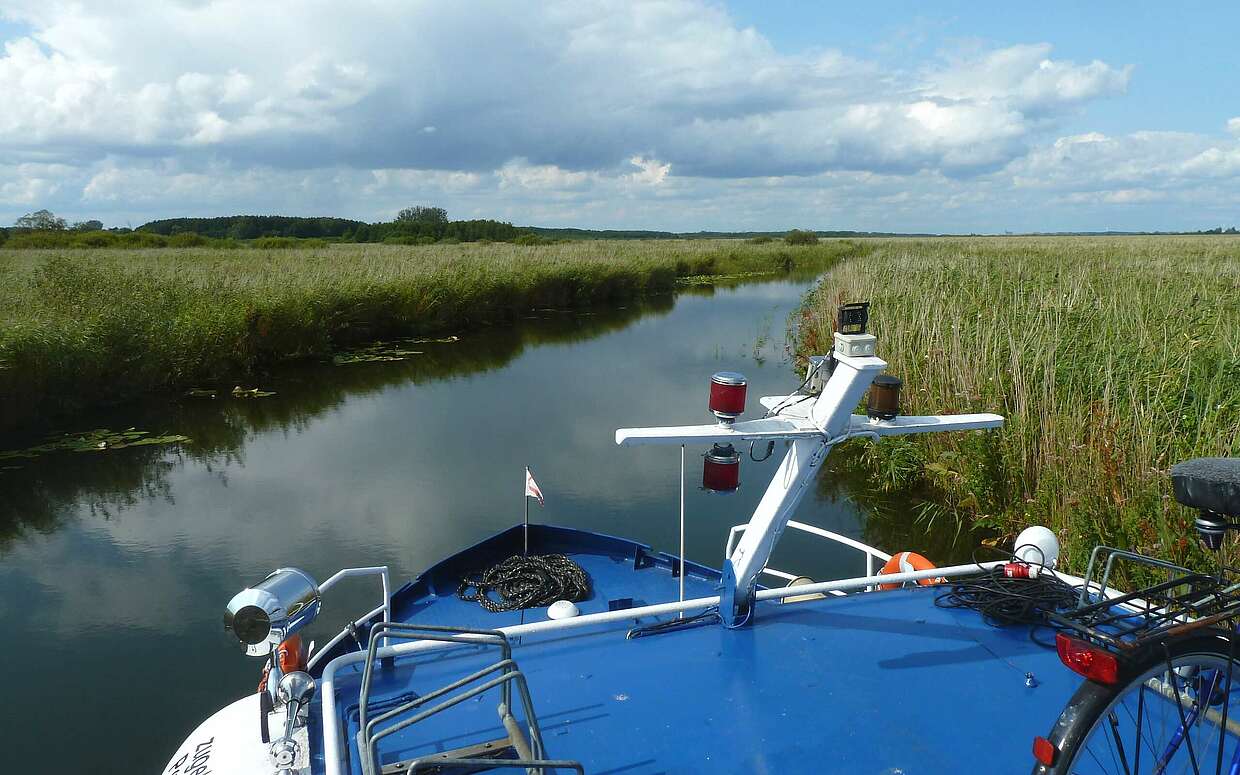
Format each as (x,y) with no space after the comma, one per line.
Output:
(526,582)
(1004,601)
(709,616)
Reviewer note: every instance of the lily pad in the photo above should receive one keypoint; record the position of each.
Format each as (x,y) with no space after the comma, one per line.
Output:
(719,279)
(379,352)
(98,440)
(240,392)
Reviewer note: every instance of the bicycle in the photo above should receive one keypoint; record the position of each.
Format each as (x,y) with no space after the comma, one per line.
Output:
(1162,688)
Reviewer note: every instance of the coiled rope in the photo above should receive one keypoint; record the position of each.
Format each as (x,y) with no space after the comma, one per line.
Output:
(1004,602)
(526,582)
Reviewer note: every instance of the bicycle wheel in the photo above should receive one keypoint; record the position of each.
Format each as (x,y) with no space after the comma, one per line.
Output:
(1136,726)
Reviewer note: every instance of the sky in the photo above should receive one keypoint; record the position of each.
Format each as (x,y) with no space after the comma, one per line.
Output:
(678,115)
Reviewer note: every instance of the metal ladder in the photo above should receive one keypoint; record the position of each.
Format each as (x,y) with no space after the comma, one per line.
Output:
(504,674)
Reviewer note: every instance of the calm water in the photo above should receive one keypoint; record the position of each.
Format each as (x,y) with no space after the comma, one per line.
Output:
(115,567)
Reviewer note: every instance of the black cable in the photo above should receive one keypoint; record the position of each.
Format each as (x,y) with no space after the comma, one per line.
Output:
(1004,601)
(782,405)
(527,582)
(770,447)
(709,616)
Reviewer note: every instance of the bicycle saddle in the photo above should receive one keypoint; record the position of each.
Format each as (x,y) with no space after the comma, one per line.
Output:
(1208,484)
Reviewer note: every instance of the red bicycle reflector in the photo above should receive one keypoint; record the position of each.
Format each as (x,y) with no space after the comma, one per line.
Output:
(1092,662)
(1044,751)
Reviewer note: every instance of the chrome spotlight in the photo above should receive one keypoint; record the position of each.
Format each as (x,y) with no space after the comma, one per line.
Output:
(265,614)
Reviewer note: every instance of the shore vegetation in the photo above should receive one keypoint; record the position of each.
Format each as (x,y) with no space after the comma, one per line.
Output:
(81,328)
(1111,358)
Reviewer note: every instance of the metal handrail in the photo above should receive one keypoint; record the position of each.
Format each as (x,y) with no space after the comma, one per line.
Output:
(530,752)
(871,553)
(385,607)
(496,764)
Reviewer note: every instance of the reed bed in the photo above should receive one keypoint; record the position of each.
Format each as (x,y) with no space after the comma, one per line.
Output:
(1112,359)
(79,328)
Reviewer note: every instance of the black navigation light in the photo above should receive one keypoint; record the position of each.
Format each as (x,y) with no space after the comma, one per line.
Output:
(884,399)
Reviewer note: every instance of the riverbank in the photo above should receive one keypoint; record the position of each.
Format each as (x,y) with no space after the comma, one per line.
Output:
(80,329)
(1112,359)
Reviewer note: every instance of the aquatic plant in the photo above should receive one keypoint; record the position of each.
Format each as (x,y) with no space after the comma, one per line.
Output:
(98,440)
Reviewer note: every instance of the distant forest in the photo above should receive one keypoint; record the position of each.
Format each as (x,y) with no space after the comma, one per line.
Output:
(254,226)
(433,226)
(421,225)
(414,225)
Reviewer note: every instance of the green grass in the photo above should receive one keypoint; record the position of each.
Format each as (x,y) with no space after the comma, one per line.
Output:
(1112,359)
(79,328)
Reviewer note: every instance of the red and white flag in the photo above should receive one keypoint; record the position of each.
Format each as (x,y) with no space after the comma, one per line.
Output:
(531,488)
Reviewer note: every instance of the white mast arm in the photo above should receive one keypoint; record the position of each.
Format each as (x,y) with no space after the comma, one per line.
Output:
(812,425)
(773,428)
(831,413)
(903,425)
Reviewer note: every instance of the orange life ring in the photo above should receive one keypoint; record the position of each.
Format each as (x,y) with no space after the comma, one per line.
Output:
(292,658)
(905,562)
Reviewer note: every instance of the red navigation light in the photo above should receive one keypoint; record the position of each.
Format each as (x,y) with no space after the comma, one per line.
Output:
(727,395)
(1096,664)
(1044,751)
(721,469)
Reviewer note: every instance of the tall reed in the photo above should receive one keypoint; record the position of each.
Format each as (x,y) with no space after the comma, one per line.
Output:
(84,327)
(1112,359)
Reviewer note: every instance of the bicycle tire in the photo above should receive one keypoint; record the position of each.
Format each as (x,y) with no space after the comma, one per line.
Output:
(1092,702)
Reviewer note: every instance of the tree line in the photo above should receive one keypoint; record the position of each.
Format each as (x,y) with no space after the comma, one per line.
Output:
(418,225)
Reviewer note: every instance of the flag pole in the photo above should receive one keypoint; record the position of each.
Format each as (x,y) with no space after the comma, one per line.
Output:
(682,526)
(525,523)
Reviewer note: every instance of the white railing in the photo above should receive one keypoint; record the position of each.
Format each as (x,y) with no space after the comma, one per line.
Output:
(386,606)
(871,554)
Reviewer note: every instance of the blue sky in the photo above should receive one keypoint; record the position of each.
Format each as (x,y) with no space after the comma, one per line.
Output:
(1185,54)
(675,114)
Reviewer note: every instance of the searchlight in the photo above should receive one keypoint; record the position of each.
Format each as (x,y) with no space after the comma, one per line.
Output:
(262,616)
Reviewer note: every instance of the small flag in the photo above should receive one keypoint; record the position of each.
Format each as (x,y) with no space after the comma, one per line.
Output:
(531,488)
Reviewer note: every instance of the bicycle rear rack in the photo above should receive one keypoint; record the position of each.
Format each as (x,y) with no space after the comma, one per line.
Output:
(1125,622)
(502,675)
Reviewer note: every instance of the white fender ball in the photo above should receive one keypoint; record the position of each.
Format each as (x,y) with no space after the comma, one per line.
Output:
(562,609)
(1037,545)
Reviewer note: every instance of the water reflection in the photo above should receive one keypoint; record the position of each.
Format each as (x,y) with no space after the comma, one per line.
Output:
(115,566)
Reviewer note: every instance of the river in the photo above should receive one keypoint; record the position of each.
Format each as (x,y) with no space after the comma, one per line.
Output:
(115,566)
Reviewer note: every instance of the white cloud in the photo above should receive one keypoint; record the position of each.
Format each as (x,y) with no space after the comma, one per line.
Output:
(579,85)
(1026,78)
(521,174)
(1139,159)
(650,171)
(587,112)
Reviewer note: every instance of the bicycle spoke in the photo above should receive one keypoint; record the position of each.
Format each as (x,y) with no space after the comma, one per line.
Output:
(1222,729)
(1137,743)
(1094,756)
(1179,706)
(1119,743)
(1196,718)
